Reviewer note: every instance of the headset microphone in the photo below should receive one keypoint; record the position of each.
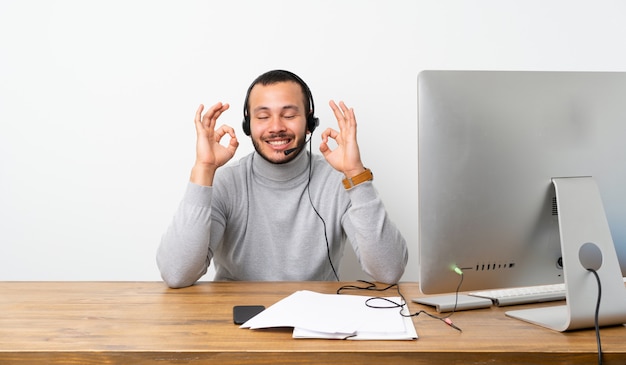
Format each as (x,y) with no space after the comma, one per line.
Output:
(291,150)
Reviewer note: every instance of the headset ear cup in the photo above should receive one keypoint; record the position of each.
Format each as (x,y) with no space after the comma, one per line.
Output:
(312,123)
(245,125)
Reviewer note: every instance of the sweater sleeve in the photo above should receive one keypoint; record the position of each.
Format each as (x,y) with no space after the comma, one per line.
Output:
(378,244)
(183,255)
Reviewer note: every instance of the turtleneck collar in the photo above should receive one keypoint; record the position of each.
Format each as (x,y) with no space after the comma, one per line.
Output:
(280,172)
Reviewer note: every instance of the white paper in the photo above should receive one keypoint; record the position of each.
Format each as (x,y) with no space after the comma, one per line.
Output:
(333,316)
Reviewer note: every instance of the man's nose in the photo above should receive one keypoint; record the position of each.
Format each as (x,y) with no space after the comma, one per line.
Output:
(276,124)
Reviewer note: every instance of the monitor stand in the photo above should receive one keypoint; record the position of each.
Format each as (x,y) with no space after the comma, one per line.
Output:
(586,242)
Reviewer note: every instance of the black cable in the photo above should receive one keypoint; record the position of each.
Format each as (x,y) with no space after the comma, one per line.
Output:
(456,295)
(372,287)
(318,214)
(597,315)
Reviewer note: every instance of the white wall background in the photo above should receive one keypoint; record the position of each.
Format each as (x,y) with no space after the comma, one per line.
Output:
(97,101)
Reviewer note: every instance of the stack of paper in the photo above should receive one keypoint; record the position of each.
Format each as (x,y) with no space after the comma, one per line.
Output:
(333,316)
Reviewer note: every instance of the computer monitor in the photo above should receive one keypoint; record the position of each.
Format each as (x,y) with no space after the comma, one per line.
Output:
(522,181)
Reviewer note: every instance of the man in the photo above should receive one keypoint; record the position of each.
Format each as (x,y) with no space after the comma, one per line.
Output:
(279,213)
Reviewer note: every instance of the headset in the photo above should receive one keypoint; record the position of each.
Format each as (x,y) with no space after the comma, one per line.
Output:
(281,75)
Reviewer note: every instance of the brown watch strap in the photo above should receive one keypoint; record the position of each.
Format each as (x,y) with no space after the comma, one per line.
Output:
(356,180)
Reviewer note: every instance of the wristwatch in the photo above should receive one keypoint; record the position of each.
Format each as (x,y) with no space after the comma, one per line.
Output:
(356,180)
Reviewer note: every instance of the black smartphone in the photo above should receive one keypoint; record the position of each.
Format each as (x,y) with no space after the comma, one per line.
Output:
(242,313)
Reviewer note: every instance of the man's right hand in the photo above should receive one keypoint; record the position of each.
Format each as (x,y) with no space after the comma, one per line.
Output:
(210,154)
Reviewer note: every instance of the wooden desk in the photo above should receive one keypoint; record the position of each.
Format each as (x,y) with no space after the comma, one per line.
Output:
(147,323)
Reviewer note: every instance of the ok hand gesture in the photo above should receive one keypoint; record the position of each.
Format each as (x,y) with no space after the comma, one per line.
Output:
(210,154)
(346,157)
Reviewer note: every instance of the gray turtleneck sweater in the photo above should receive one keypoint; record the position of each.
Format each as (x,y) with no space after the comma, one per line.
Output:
(259,221)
